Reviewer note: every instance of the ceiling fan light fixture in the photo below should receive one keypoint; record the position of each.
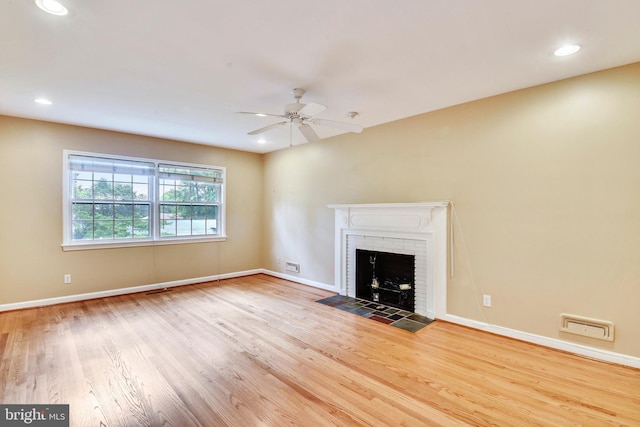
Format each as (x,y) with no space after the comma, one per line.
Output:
(297,93)
(52,6)
(567,50)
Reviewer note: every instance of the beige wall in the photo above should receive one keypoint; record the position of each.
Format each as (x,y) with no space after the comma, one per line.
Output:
(32,263)
(545,183)
(546,187)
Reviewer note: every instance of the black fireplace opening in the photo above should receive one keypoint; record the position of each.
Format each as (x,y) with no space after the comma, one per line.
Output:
(387,278)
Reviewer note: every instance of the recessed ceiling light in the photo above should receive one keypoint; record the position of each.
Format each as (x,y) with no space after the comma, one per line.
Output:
(261,115)
(262,141)
(569,49)
(42,101)
(52,7)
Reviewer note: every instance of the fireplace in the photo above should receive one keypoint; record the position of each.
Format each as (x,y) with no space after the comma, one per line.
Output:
(385,277)
(416,230)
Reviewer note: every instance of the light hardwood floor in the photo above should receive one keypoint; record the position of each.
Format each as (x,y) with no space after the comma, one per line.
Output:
(259,351)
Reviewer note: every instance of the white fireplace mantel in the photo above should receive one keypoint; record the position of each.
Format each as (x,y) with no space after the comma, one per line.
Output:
(397,227)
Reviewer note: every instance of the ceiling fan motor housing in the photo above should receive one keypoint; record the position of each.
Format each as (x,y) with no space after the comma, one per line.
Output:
(291,110)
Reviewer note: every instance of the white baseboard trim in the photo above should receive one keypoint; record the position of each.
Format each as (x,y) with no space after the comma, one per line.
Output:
(582,350)
(123,291)
(296,279)
(579,349)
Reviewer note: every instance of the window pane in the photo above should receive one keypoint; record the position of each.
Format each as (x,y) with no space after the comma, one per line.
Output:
(198,227)
(183,227)
(199,192)
(141,224)
(141,228)
(123,191)
(212,226)
(212,192)
(82,230)
(167,191)
(199,212)
(82,189)
(123,211)
(167,220)
(184,212)
(140,191)
(182,193)
(212,212)
(103,211)
(82,211)
(168,212)
(103,230)
(103,190)
(141,211)
(168,228)
(123,229)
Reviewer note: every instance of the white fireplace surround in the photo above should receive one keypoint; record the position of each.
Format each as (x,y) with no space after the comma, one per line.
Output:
(418,229)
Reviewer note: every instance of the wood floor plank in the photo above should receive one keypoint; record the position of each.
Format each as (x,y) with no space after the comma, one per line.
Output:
(259,351)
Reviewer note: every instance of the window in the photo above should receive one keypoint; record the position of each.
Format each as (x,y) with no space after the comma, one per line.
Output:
(110,199)
(189,200)
(117,201)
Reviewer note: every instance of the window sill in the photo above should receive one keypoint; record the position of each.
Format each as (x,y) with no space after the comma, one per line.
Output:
(112,245)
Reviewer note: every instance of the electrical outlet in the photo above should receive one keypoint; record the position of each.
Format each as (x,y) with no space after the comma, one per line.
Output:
(486,300)
(67,278)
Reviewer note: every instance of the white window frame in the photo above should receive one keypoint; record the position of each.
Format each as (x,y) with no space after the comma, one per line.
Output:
(68,244)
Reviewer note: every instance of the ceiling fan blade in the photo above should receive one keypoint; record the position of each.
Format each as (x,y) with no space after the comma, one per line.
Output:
(337,125)
(311,109)
(260,114)
(266,128)
(308,133)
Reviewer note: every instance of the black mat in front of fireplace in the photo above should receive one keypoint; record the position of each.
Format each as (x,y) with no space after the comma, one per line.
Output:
(381,313)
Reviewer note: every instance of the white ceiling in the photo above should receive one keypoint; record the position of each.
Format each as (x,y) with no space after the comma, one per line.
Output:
(182,69)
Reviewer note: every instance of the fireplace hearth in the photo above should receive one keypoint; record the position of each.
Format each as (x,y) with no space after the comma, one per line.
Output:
(386,278)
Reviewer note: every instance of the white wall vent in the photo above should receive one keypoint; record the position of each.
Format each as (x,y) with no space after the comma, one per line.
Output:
(292,266)
(592,328)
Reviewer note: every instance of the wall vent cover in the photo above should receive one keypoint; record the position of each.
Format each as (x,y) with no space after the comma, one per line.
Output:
(292,266)
(585,326)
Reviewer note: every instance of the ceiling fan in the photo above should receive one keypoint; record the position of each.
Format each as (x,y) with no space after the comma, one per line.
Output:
(301,115)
